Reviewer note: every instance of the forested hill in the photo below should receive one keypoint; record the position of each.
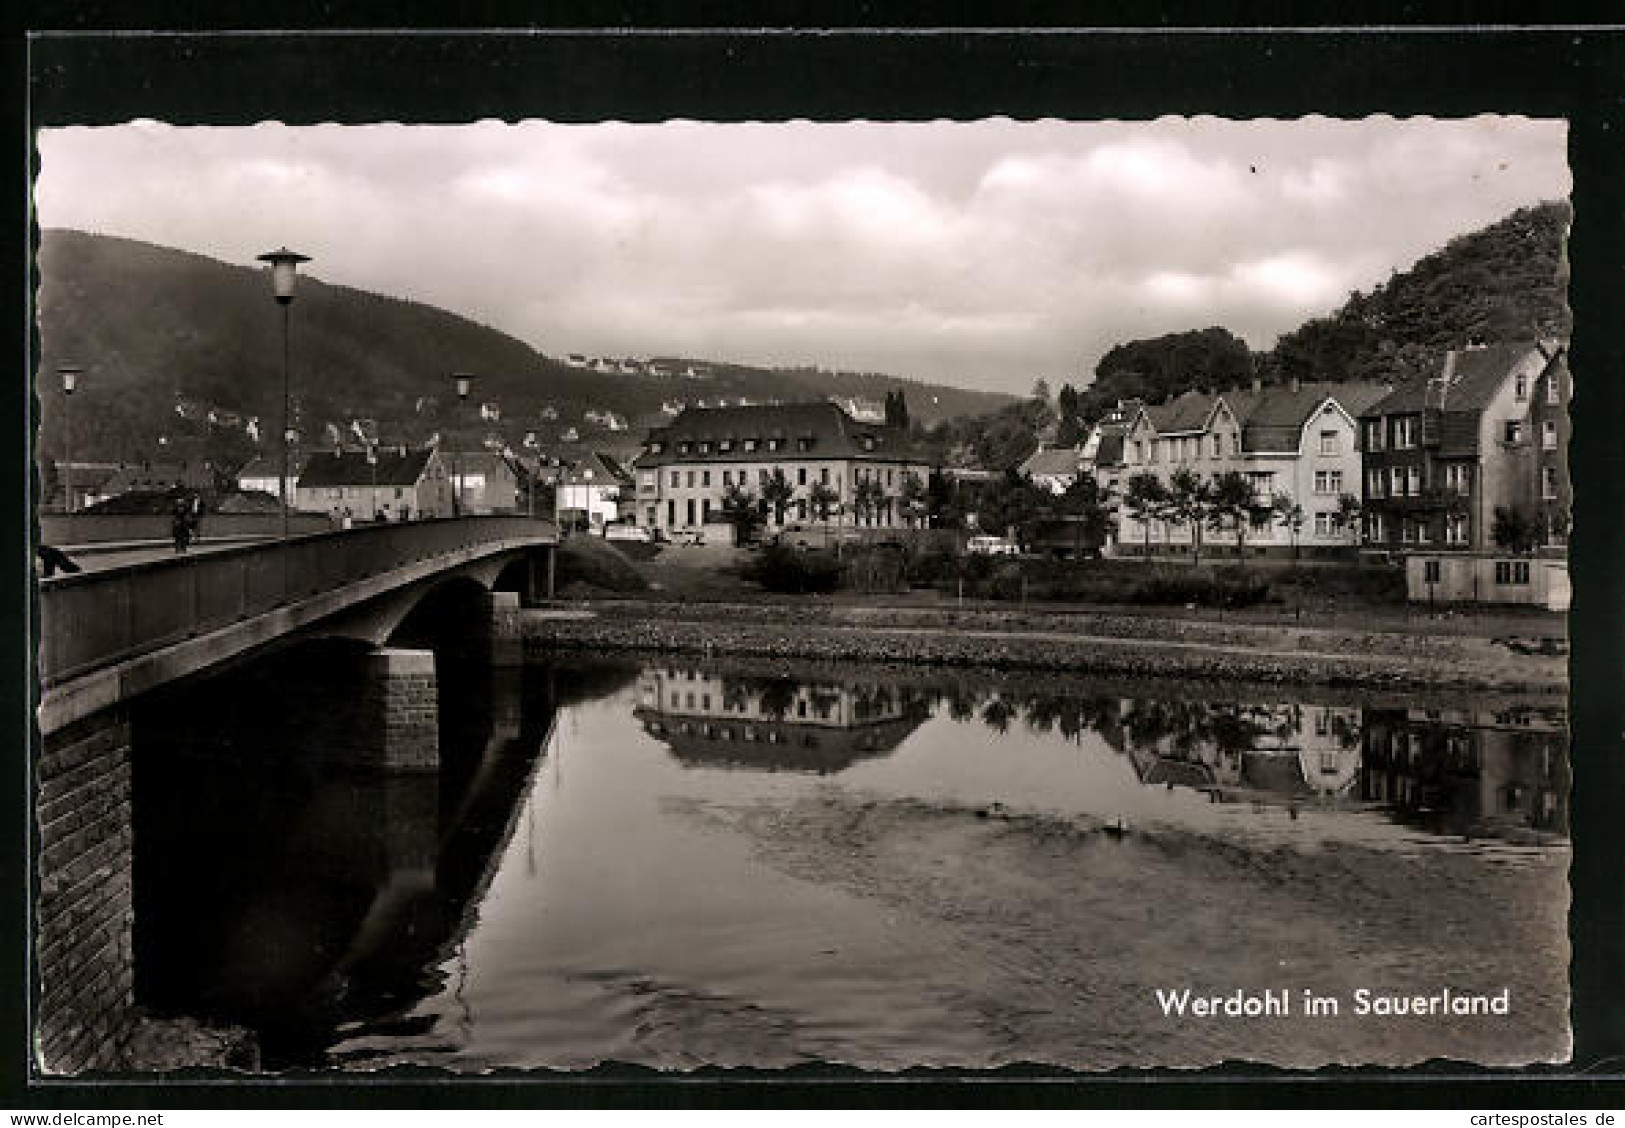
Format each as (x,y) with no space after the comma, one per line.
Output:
(169,338)
(1507,281)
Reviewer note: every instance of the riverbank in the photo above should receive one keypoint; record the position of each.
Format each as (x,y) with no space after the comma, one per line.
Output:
(1097,644)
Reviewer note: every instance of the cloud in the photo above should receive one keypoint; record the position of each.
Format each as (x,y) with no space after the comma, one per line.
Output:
(984,253)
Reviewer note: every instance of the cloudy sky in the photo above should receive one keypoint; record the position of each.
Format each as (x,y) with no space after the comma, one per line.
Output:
(984,254)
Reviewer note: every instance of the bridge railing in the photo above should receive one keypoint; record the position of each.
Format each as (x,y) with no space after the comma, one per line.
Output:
(98,618)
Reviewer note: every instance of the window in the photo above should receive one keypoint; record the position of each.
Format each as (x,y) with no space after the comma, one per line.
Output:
(1407,530)
(1135,451)
(1218,446)
(725,445)
(691,479)
(801,475)
(1328,442)
(772,444)
(1405,433)
(705,510)
(1328,482)
(1512,571)
(1424,532)
(823,475)
(890,476)
(684,448)
(705,478)
(1513,431)
(803,444)
(1413,483)
(762,475)
(1548,435)
(750,445)
(1458,479)
(1373,527)
(1154,444)
(1548,482)
(727,478)
(1520,388)
(1396,476)
(656,448)
(1455,529)
(1373,434)
(1374,481)
(1430,571)
(1554,389)
(705,448)
(1323,525)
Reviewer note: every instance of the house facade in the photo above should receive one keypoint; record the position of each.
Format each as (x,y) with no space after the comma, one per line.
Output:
(1300,440)
(593,491)
(485,481)
(382,484)
(1489,431)
(689,465)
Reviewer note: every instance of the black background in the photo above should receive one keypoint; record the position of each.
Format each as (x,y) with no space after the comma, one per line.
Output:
(867,62)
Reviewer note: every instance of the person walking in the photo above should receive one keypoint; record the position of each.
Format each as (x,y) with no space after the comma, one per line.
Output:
(181,526)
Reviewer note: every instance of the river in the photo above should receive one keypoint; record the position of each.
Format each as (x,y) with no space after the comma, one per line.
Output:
(731,864)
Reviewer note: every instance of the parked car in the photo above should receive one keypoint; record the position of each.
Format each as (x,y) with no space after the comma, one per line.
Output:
(628,533)
(992,546)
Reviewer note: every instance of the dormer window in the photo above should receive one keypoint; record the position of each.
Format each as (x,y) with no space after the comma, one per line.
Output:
(868,442)
(684,448)
(804,444)
(656,448)
(725,445)
(772,444)
(705,448)
(750,445)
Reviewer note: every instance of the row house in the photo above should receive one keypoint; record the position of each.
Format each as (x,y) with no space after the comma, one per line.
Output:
(1298,439)
(1489,431)
(688,465)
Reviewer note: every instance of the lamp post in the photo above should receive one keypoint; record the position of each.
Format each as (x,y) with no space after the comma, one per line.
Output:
(464,381)
(372,465)
(70,374)
(284,270)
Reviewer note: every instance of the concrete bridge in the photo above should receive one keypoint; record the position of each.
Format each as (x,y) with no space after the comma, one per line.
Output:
(381,606)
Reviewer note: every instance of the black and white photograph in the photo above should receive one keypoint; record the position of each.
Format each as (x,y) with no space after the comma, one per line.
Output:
(1064,592)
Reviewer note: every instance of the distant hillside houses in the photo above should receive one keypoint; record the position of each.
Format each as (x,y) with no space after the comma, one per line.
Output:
(606,419)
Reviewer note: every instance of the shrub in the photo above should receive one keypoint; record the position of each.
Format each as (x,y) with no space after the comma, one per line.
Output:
(780,568)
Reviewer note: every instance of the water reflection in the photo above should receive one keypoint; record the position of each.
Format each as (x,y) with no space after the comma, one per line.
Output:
(1497,770)
(713,719)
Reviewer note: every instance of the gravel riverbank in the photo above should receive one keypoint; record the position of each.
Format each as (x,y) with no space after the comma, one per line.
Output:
(1103,644)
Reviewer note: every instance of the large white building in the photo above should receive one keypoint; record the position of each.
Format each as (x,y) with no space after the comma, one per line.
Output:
(1301,440)
(688,465)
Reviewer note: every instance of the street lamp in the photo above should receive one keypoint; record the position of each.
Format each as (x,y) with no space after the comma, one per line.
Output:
(372,465)
(464,381)
(284,270)
(70,374)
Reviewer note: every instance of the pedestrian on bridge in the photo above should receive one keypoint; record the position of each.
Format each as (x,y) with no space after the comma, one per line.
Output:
(181,526)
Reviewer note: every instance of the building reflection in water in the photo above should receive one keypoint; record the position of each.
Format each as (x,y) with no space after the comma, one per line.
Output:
(1472,771)
(709,719)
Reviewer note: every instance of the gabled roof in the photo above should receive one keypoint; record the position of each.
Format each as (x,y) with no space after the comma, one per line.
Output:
(1271,419)
(1052,461)
(1467,382)
(829,431)
(597,469)
(329,469)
